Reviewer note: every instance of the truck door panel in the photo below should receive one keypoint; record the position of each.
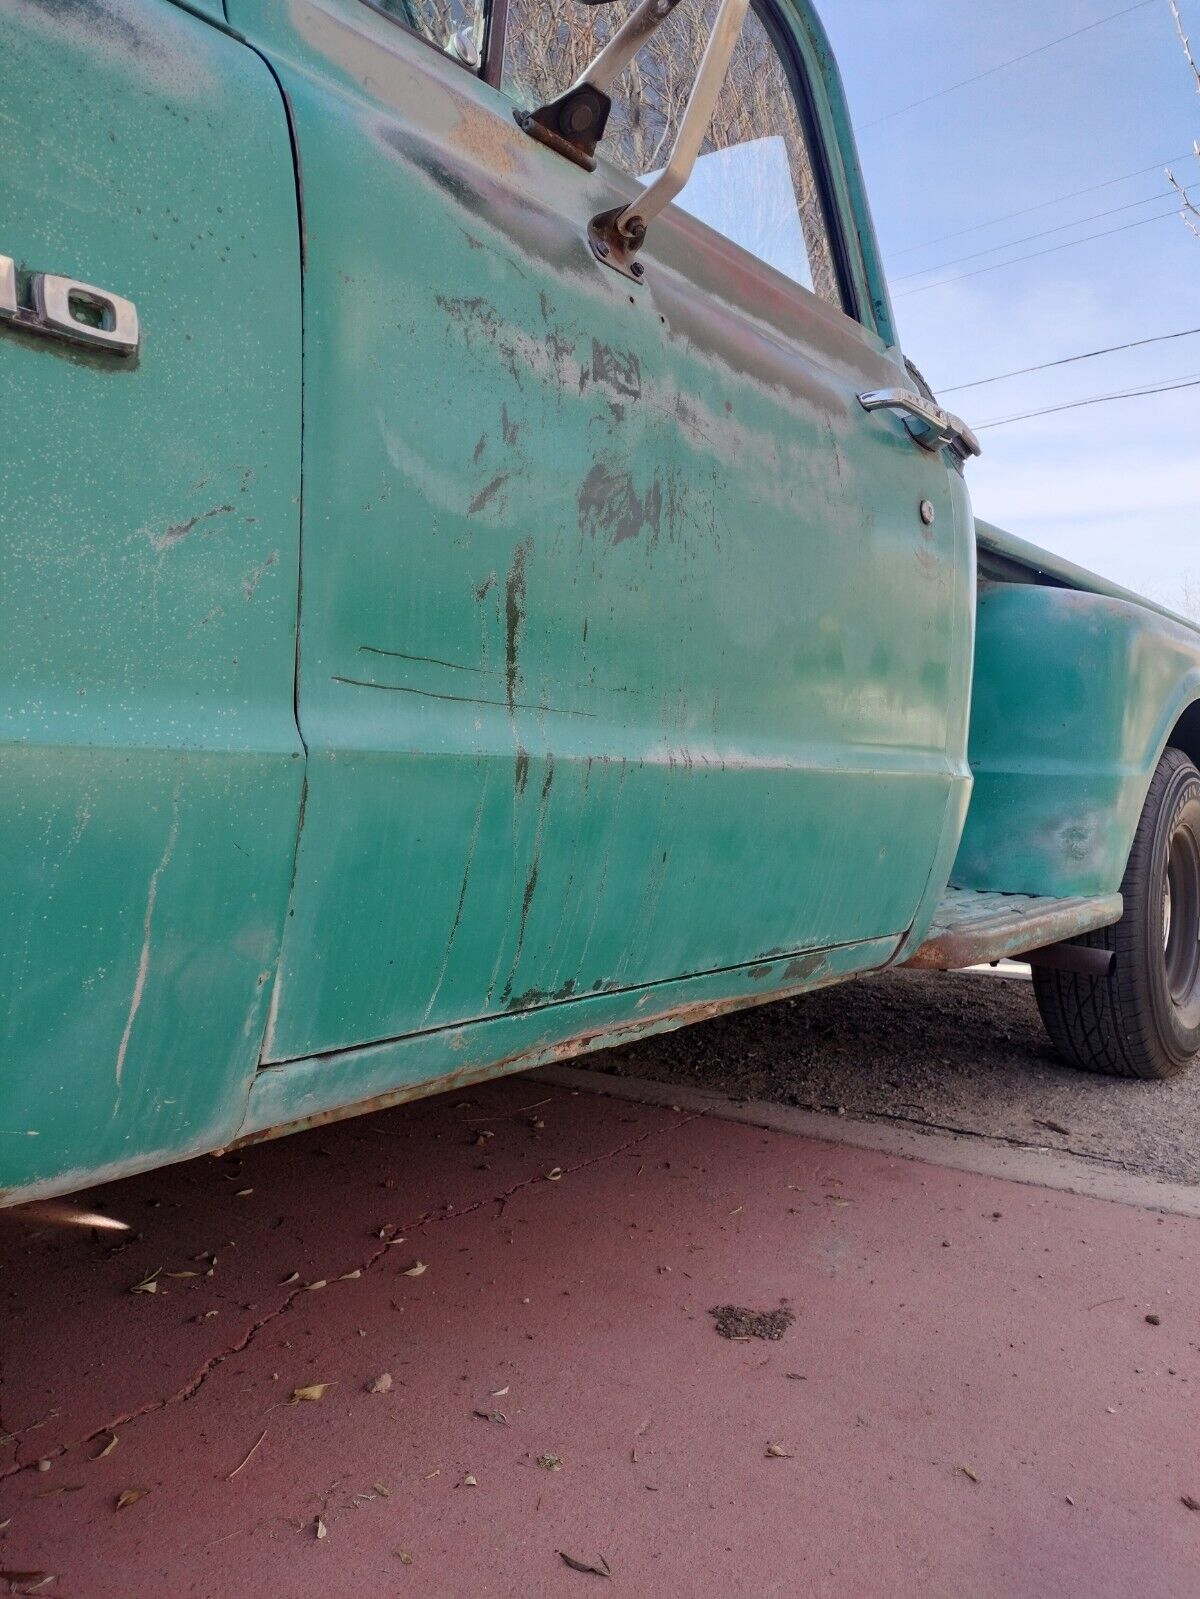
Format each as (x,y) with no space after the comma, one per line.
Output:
(149,765)
(624,652)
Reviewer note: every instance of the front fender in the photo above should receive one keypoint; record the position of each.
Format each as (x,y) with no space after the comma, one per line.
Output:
(1075,698)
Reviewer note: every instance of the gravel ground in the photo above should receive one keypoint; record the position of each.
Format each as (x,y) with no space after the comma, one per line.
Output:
(962,1051)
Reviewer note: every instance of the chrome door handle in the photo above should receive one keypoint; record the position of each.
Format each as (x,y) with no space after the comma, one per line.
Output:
(931,427)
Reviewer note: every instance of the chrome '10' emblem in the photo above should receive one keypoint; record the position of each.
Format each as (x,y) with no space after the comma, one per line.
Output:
(62,308)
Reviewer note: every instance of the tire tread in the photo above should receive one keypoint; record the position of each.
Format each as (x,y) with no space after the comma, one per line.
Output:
(1102,1024)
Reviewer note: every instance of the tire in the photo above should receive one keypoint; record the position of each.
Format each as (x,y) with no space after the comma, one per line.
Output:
(1142,1019)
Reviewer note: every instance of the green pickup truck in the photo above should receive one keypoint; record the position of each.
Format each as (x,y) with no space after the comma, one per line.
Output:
(481,580)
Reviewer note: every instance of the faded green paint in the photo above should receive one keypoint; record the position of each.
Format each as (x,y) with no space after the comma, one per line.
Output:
(592,692)
(149,770)
(632,685)
(1076,695)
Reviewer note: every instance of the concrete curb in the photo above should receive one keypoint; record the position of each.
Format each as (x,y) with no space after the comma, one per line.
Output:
(970,1152)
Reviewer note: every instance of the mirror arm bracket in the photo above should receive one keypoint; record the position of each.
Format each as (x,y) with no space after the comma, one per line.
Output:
(572,125)
(616,236)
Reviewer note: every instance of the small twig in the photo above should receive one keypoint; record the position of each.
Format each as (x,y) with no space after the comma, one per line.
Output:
(249,1457)
(1115,1300)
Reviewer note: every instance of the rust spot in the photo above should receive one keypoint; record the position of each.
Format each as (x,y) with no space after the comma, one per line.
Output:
(487,492)
(802,967)
(508,428)
(617,369)
(514,618)
(609,504)
(757,973)
(535,998)
(180,530)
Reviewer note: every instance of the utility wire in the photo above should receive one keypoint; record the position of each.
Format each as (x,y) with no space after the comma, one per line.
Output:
(1011,62)
(1053,249)
(1011,244)
(1069,360)
(1010,216)
(1095,399)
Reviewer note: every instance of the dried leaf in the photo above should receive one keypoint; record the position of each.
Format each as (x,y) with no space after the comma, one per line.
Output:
(108,1448)
(403,1556)
(242,1192)
(968,1473)
(181,1274)
(310,1391)
(381,1384)
(1189,1502)
(382,1489)
(582,1565)
(499,1393)
(39,1579)
(778,1452)
(550,1462)
(148,1285)
(469,1481)
(294,1278)
(349,1276)
(415,1270)
(319,1527)
(430,1475)
(130,1496)
(310,1288)
(554,1175)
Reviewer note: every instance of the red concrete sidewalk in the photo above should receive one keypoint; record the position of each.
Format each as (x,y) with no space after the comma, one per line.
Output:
(943,1321)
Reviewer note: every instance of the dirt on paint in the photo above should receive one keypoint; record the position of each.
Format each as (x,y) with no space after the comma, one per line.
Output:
(735,1321)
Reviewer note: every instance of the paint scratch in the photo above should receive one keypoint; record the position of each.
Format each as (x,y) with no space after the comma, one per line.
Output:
(139,986)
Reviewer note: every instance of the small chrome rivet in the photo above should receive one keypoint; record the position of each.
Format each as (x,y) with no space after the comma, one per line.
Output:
(927,512)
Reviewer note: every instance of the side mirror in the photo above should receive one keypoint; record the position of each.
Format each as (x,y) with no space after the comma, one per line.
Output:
(574,124)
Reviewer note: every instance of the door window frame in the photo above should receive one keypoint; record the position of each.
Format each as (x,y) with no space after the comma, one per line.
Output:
(812,76)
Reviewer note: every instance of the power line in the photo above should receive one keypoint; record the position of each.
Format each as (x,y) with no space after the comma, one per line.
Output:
(1010,216)
(1053,249)
(1068,360)
(1011,62)
(1095,399)
(1011,244)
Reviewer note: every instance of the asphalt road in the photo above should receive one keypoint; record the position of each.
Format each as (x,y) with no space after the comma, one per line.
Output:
(962,1051)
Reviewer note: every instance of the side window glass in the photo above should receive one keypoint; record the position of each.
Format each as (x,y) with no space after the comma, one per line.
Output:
(754,181)
(455,26)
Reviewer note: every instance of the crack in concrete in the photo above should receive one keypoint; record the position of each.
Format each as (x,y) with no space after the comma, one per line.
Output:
(194,1384)
(990,1138)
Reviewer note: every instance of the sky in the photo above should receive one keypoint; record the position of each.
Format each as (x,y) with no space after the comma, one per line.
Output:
(1114,486)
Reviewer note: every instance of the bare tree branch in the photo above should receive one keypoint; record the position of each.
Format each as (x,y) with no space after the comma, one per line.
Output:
(1189,211)
(1185,42)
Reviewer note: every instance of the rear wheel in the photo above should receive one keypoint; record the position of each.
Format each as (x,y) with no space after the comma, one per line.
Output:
(1143,1018)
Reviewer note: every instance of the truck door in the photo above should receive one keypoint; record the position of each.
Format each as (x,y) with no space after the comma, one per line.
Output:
(626,653)
(150,770)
